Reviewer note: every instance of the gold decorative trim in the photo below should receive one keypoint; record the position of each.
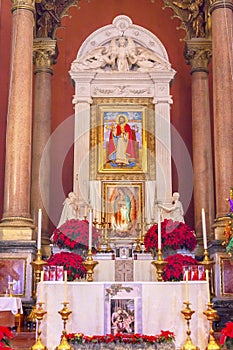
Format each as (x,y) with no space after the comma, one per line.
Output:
(222,259)
(194,16)
(221,4)
(23,5)
(44,54)
(17,221)
(197,53)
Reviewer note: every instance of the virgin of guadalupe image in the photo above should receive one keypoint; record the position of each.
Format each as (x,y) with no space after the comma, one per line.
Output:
(123,211)
(121,151)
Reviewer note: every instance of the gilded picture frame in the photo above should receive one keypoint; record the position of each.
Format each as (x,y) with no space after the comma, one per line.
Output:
(226,266)
(122,203)
(13,271)
(122,139)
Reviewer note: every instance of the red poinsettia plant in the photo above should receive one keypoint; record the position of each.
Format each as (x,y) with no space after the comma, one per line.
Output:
(174,234)
(74,234)
(174,270)
(71,262)
(226,339)
(5,336)
(80,338)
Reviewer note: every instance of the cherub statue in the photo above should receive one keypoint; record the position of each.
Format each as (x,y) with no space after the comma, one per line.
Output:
(70,209)
(175,212)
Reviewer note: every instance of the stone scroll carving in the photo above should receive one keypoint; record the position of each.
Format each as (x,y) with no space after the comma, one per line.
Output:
(122,54)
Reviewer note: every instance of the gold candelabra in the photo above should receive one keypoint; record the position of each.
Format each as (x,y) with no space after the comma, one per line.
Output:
(207,262)
(11,285)
(90,264)
(138,239)
(187,312)
(211,315)
(109,248)
(159,264)
(39,314)
(37,266)
(65,313)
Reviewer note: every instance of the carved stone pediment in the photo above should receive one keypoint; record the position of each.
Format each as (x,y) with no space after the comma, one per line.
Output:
(121,54)
(121,47)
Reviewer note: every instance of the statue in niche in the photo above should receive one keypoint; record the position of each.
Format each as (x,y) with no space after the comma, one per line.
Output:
(175,212)
(121,55)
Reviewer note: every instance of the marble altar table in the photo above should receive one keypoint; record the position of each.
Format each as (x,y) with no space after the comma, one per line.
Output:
(161,304)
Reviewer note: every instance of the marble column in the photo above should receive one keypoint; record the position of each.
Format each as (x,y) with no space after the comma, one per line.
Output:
(197,54)
(16,222)
(44,57)
(222,23)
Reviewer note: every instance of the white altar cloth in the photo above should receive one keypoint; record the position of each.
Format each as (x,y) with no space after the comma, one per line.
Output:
(161,306)
(12,304)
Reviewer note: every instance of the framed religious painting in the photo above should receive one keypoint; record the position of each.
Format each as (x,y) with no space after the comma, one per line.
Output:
(122,203)
(122,139)
(13,276)
(226,266)
(123,305)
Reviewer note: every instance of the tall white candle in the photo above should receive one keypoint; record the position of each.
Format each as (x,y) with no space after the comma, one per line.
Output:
(208,285)
(187,286)
(39,229)
(90,229)
(65,285)
(41,286)
(204,228)
(159,230)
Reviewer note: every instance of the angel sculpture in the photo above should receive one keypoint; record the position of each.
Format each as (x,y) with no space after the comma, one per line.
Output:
(94,59)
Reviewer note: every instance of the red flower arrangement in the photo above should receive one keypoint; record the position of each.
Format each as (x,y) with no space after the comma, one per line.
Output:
(174,234)
(74,234)
(80,338)
(173,271)
(5,336)
(72,264)
(227,336)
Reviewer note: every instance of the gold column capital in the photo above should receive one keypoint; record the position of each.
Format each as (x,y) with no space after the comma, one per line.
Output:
(224,4)
(44,54)
(23,5)
(197,53)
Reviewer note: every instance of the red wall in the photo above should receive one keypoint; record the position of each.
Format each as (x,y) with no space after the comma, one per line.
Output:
(91,16)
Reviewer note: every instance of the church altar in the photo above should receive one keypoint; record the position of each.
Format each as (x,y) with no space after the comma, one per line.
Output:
(124,270)
(158,308)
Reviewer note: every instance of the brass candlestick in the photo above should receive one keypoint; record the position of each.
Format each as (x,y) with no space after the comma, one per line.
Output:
(11,284)
(138,239)
(207,262)
(90,264)
(187,312)
(211,315)
(39,314)
(109,249)
(37,266)
(65,313)
(159,264)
